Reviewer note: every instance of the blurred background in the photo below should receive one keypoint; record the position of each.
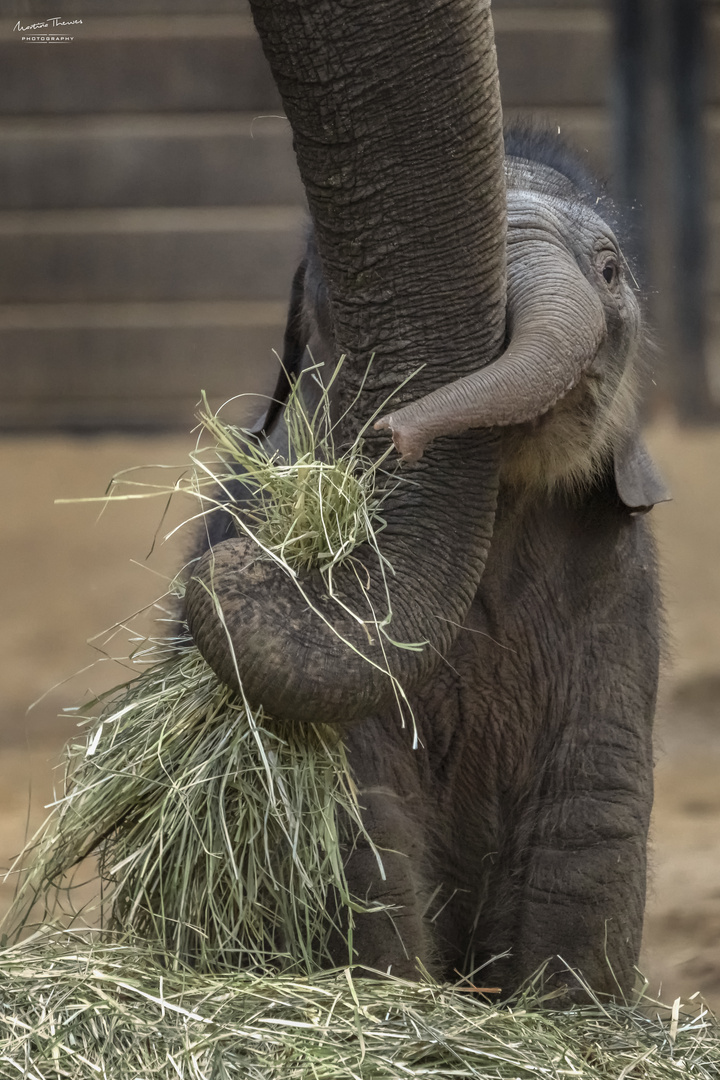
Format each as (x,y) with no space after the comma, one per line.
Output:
(150,220)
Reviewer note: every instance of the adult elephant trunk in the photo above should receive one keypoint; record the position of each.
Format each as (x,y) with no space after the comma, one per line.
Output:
(395,112)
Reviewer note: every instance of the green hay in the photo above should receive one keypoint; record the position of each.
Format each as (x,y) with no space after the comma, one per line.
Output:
(221,835)
(312,511)
(75,1008)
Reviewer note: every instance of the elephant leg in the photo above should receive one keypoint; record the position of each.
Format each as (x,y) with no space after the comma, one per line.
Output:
(395,940)
(571,880)
(389,795)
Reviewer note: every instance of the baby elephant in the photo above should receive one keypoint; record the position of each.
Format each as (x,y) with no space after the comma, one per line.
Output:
(519,824)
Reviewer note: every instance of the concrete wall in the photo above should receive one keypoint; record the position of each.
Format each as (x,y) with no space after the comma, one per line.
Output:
(150,210)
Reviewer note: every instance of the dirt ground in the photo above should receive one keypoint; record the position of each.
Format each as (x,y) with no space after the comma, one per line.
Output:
(68,576)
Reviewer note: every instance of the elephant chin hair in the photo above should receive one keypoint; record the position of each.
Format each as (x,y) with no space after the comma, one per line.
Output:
(568,448)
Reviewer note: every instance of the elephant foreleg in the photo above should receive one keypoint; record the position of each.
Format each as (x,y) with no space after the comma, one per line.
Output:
(393,940)
(573,880)
(390,941)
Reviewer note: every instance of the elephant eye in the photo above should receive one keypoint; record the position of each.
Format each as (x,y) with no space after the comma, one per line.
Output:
(609,271)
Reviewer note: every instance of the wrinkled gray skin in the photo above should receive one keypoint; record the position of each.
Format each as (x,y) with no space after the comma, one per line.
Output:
(520,823)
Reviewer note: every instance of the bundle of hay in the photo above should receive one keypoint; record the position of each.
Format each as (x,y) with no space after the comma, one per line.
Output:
(220,834)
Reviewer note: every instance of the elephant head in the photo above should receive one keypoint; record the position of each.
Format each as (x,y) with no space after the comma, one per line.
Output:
(565,389)
(395,112)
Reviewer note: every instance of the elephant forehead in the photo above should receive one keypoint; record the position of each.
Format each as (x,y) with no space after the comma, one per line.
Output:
(522,174)
(570,223)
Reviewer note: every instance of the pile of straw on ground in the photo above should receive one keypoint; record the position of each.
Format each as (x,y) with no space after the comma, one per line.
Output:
(74,1008)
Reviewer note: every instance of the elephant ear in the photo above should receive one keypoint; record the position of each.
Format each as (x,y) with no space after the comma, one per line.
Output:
(307,347)
(637,477)
(294,343)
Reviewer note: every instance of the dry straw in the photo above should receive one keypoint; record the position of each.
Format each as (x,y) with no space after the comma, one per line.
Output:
(76,1008)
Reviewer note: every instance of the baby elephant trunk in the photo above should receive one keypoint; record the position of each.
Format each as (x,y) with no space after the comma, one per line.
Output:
(555,325)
